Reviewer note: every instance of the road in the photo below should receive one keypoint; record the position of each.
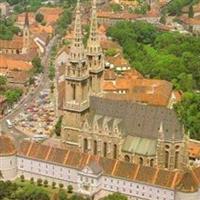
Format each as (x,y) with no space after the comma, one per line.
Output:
(44,83)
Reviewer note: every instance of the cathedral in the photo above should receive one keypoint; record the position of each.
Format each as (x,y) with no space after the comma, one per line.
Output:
(115,129)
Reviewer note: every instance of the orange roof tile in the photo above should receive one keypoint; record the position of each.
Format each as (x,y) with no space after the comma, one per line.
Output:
(7,146)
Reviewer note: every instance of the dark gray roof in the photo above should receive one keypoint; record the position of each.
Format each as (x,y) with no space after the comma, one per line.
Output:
(138,119)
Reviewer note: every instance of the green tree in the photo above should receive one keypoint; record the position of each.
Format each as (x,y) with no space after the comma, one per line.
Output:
(115,196)
(13,95)
(45,183)
(70,189)
(37,65)
(188,111)
(39,182)
(116,7)
(61,185)
(53,185)
(191,12)
(62,195)
(39,17)
(51,73)
(3,81)
(58,126)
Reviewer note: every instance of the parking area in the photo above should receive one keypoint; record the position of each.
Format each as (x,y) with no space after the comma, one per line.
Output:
(39,117)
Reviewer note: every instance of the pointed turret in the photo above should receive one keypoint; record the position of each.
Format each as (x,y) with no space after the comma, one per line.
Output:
(160,147)
(77,51)
(93,40)
(95,54)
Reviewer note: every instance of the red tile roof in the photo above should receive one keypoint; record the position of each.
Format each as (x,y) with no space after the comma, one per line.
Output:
(7,146)
(188,180)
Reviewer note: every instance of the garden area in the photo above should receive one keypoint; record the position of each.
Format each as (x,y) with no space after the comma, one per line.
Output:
(39,189)
(35,189)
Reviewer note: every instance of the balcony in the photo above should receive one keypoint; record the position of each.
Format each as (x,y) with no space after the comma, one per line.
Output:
(77,107)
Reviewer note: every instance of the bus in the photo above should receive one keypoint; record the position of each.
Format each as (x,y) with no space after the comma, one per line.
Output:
(9,123)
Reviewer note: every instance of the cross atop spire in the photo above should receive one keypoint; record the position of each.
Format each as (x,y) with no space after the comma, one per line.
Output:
(77,49)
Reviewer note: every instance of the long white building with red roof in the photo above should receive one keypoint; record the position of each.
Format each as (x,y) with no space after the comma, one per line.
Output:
(96,176)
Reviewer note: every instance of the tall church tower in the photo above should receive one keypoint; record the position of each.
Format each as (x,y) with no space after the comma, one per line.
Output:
(76,102)
(26,35)
(95,55)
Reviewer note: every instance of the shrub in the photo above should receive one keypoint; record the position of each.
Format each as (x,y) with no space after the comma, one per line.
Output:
(22,178)
(53,185)
(61,185)
(39,182)
(45,183)
(32,180)
(69,188)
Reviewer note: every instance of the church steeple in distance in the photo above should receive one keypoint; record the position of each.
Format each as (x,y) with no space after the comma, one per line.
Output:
(26,21)
(26,35)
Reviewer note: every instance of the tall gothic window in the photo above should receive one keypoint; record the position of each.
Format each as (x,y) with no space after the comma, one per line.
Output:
(141,161)
(104,149)
(151,162)
(115,151)
(85,145)
(95,147)
(166,159)
(176,159)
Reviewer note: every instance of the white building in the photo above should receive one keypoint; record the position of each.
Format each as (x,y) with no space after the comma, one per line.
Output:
(8,159)
(96,176)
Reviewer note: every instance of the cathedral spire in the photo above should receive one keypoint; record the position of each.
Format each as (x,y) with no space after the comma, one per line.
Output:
(93,28)
(93,41)
(77,49)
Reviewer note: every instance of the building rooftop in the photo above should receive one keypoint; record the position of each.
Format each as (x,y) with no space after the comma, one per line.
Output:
(181,180)
(7,146)
(136,119)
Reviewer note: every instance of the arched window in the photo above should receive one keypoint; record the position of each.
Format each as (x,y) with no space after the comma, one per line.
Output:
(115,151)
(95,147)
(141,161)
(151,163)
(104,149)
(85,145)
(176,159)
(127,158)
(166,159)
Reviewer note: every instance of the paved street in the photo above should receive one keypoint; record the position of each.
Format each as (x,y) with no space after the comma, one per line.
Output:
(18,135)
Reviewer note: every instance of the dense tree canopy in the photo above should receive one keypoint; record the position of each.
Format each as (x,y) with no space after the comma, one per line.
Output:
(115,196)
(165,55)
(7,29)
(175,6)
(189,112)
(13,95)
